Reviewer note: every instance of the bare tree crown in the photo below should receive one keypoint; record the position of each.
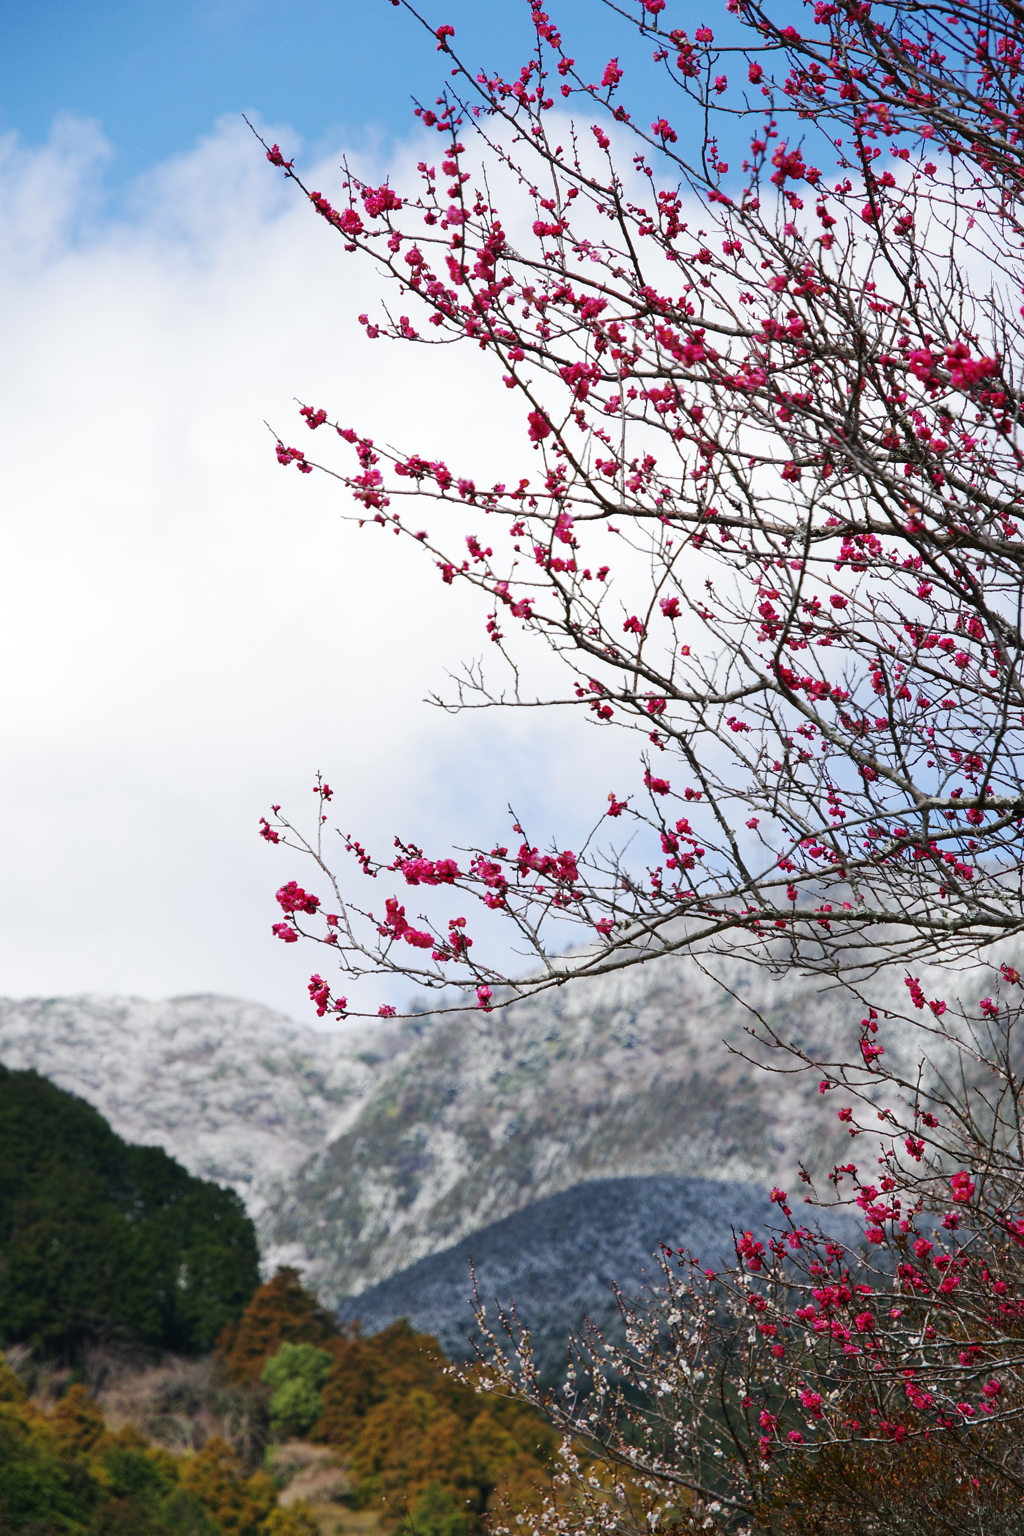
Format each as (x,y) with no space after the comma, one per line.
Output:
(774,524)
(774,529)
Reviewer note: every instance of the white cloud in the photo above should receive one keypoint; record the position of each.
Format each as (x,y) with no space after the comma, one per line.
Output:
(189,631)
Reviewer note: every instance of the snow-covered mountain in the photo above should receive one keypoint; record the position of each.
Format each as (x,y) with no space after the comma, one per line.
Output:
(559,1258)
(629,1076)
(233,1090)
(361,1152)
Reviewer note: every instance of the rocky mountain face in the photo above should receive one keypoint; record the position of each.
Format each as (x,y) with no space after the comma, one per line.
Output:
(631,1076)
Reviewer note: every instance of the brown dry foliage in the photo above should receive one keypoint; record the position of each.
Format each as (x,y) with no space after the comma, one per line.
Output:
(77,1422)
(392,1409)
(238,1505)
(391,1405)
(368,1371)
(930,1485)
(280,1312)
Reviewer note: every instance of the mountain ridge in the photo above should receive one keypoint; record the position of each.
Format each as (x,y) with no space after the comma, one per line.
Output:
(360,1152)
(636,1075)
(561,1260)
(236,1091)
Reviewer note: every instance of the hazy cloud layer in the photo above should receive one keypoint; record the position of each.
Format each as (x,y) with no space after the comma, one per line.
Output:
(189,631)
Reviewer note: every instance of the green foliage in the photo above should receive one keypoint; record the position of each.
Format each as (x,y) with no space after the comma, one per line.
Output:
(296,1372)
(183,1515)
(295,1407)
(297,1520)
(297,1362)
(38,1487)
(99,1237)
(12,1388)
(435,1513)
(65,1473)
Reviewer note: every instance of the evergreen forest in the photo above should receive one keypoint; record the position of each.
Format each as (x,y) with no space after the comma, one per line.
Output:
(100,1240)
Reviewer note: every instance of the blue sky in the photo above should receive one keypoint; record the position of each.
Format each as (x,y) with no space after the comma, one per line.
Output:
(156,74)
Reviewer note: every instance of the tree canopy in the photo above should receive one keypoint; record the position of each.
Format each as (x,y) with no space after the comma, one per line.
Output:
(100,1239)
(66,1472)
(425,1448)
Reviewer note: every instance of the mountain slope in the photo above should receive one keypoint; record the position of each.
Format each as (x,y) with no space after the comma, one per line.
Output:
(559,1258)
(101,1238)
(234,1091)
(360,1152)
(623,1077)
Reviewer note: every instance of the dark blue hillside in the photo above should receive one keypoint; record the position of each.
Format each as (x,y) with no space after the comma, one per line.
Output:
(559,1257)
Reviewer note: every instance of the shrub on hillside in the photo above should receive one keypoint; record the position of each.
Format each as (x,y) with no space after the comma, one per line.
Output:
(296,1373)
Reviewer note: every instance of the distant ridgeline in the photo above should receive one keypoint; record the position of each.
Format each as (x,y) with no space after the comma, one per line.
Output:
(103,1240)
